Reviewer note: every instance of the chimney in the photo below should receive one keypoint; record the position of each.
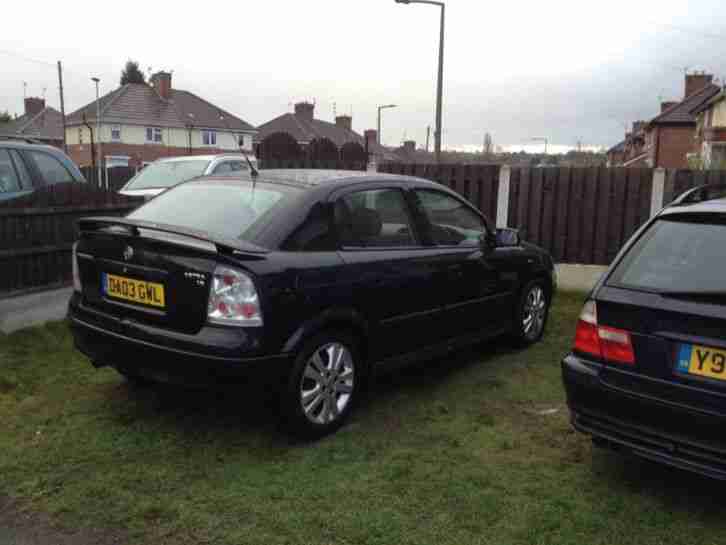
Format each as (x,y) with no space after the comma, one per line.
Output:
(161,81)
(34,105)
(371,136)
(305,110)
(638,126)
(344,122)
(697,81)
(665,105)
(409,146)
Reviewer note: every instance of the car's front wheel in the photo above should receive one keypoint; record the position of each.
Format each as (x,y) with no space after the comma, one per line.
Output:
(323,385)
(531,313)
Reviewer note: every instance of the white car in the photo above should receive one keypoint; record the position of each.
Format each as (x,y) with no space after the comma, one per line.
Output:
(165,173)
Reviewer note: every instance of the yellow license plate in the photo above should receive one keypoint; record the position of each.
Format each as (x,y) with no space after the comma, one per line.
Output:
(704,361)
(138,291)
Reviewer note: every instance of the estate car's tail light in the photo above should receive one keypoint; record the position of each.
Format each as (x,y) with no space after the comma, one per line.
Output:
(233,299)
(77,286)
(604,342)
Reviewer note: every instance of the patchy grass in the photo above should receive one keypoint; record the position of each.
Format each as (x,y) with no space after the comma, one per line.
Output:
(463,450)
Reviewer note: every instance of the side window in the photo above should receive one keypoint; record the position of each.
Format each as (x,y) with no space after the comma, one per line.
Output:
(9,182)
(374,218)
(50,168)
(26,182)
(314,235)
(452,222)
(229,168)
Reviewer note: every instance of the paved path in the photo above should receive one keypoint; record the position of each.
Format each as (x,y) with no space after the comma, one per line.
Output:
(35,309)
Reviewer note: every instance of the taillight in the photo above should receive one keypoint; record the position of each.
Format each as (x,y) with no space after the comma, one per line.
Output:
(604,342)
(77,286)
(233,299)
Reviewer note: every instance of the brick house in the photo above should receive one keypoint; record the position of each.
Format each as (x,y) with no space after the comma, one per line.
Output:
(711,132)
(670,137)
(304,128)
(141,123)
(39,122)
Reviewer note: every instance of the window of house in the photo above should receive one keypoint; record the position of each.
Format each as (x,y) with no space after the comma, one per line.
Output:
(80,135)
(153,135)
(451,222)
(209,138)
(241,141)
(116,133)
(51,169)
(374,218)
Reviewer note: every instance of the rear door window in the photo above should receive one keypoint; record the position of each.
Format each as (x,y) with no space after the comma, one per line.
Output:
(678,254)
(374,218)
(51,169)
(9,180)
(26,182)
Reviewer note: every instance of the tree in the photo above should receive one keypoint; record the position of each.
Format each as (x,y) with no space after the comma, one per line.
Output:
(132,74)
(5,117)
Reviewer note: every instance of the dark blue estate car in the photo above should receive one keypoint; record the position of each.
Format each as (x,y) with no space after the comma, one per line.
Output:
(647,373)
(320,277)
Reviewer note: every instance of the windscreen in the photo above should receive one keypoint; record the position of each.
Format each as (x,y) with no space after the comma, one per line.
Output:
(167,174)
(228,210)
(679,255)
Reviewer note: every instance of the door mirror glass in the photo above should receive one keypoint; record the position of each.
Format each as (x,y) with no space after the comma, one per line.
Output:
(507,238)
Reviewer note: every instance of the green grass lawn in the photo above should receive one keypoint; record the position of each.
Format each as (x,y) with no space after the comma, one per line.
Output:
(462,450)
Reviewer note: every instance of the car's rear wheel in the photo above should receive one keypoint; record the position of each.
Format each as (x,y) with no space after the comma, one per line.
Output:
(532,313)
(323,385)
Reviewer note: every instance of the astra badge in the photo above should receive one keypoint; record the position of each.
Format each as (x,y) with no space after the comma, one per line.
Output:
(128,253)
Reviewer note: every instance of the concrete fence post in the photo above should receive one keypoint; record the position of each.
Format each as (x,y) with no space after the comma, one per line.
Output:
(505,174)
(656,197)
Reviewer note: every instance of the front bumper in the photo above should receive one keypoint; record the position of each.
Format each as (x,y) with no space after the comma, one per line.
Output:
(648,427)
(216,358)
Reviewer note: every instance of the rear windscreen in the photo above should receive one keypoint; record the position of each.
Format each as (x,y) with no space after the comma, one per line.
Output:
(677,254)
(229,210)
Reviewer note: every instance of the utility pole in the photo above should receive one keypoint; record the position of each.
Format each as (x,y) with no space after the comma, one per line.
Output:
(98,131)
(63,106)
(428,135)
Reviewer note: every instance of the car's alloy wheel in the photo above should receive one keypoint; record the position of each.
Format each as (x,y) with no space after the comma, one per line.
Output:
(534,312)
(327,383)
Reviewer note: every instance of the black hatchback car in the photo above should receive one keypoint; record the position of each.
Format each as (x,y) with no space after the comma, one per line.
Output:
(320,277)
(647,374)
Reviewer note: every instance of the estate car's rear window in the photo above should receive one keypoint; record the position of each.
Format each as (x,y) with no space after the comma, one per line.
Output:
(222,208)
(679,254)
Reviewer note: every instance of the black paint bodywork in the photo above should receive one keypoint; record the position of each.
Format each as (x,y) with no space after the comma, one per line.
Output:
(402,302)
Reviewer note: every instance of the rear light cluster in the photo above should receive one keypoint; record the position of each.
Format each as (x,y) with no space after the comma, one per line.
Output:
(233,299)
(76,274)
(607,343)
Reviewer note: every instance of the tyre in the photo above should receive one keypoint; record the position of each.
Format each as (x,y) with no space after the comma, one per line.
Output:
(323,385)
(531,313)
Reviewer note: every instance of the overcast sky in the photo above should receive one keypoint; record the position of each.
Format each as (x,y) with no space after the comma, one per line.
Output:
(561,69)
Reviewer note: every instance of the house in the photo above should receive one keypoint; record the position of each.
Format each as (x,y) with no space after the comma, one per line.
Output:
(305,129)
(141,123)
(39,122)
(669,139)
(711,132)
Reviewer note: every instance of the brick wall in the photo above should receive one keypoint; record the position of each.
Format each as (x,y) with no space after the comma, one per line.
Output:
(81,154)
(674,144)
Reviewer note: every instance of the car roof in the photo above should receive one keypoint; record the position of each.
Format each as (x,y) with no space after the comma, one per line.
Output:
(311,177)
(710,206)
(202,158)
(20,144)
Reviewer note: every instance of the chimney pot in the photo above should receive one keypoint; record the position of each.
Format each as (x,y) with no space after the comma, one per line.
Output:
(371,136)
(34,105)
(161,81)
(305,110)
(344,122)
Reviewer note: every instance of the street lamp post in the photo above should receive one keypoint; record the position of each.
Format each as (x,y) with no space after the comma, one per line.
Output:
(98,130)
(440,85)
(378,135)
(541,139)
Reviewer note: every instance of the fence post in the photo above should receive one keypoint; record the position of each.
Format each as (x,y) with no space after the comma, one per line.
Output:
(505,174)
(656,196)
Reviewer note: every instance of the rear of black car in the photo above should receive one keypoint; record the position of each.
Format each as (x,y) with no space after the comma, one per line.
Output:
(172,291)
(647,373)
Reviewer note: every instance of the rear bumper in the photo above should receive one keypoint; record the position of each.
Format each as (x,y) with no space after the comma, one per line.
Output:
(128,352)
(654,429)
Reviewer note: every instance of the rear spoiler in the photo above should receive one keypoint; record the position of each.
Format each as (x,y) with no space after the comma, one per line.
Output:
(94,224)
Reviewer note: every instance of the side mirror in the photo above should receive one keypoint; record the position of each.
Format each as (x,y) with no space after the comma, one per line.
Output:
(507,238)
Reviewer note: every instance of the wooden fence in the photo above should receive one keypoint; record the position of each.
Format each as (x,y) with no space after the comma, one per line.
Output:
(37,233)
(114,178)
